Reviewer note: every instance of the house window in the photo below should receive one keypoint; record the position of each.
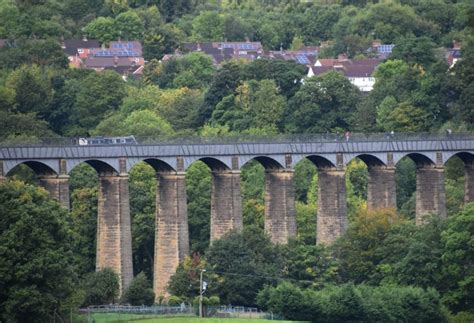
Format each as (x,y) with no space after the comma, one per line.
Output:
(80,50)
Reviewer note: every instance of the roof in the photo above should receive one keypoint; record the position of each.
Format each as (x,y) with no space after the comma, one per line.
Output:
(318,70)
(350,68)
(94,62)
(327,61)
(359,70)
(71,45)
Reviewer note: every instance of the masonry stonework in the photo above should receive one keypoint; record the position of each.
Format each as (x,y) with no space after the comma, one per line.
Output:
(280,219)
(469,182)
(226,204)
(381,188)
(430,194)
(57,187)
(332,205)
(171,229)
(114,239)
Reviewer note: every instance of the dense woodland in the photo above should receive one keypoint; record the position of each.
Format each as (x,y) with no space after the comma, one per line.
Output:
(47,255)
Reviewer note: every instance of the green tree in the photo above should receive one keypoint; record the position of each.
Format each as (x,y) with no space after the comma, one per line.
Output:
(32,88)
(139,292)
(256,104)
(102,29)
(208,26)
(323,103)
(98,93)
(35,254)
(458,256)
(198,190)
(243,263)
(129,26)
(102,287)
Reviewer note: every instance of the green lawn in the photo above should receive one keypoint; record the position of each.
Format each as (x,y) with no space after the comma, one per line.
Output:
(102,318)
(204,320)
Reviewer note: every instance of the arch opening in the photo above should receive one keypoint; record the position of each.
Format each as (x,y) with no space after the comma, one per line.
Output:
(102,168)
(268,163)
(214,164)
(370,160)
(158,165)
(419,159)
(142,185)
(198,192)
(38,168)
(320,162)
(458,181)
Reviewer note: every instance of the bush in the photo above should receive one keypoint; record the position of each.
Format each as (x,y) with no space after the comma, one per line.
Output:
(354,303)
(174,300)
(139,292)
(102,287)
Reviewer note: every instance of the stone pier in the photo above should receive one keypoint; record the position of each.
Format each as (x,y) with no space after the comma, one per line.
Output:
(381,188)
(226,203)
(171,229)
(58,188)
(430,194)
(332,205)
(280,218)
(469,182)
(114,238)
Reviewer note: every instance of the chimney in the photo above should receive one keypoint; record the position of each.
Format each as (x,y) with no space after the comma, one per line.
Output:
(115,61)
(198,47)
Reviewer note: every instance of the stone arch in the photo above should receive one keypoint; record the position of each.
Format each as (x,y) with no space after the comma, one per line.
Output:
(39,168)
(159,165)
(214,164)
(102,168)
(468,160)
(466,157)
(267,162)
(369,160)
(321,162)
(420,159)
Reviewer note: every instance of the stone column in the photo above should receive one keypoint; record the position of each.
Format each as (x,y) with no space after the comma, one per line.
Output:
(171,229)
(58,188)
(280,219)
(114,237)
(226,203)
(469,182)
(381,188)
(430,195)
(3,178)
(332,205)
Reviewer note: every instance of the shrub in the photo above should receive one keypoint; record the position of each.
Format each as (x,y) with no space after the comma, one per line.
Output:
(139,292)
(354,303)
(102,287)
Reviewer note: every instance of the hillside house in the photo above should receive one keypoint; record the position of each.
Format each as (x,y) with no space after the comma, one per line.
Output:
(124,57)
(359,72)
(223,51)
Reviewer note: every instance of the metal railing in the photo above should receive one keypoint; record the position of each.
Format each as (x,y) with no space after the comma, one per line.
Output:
(240,139)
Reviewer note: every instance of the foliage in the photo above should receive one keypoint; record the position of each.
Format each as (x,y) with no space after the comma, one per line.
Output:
(198,190)
(185,282)
(243,263)
(354,303)
(35,254)
(458,256)
(102,287)
(139,292)
(358,248)
(322,104)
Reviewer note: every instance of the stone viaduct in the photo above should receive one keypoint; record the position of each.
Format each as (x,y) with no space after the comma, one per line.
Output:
(52,164)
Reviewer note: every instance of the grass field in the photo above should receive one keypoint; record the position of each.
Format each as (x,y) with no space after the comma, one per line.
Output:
(102,318)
